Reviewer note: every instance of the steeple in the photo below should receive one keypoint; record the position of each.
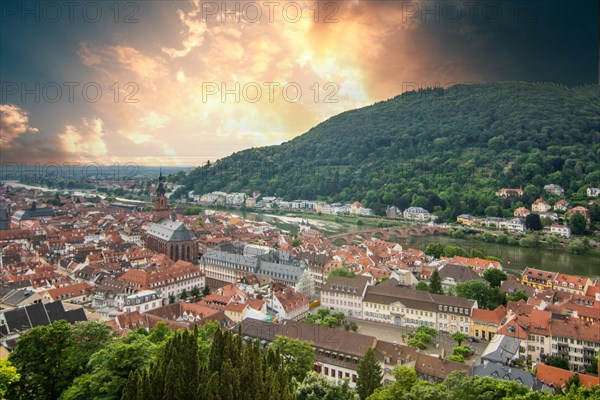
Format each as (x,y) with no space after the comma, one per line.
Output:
(161,209)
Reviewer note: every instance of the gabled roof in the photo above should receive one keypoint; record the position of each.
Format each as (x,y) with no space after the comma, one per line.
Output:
(171,231)
(558,377)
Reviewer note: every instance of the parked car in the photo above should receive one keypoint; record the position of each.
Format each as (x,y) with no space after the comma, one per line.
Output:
(473,339)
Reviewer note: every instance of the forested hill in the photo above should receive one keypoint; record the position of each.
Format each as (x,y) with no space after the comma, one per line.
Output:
(447,150)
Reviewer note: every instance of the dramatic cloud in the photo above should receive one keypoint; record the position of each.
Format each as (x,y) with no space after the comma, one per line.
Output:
(189,83)
(14,122)
(85,141)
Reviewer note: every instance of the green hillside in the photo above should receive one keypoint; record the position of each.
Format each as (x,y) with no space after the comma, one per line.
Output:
(447,150)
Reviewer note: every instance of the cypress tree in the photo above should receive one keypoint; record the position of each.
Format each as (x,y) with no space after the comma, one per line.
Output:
(369,374)
(130,390)
(435,283)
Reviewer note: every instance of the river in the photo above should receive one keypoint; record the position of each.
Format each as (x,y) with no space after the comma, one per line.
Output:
(514,258)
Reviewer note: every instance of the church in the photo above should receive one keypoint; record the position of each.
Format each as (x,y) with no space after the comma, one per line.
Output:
(167,235)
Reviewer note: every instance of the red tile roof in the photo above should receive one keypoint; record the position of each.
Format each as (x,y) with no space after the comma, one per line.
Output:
(558,377)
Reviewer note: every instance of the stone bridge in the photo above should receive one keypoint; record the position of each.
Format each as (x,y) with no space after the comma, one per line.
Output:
(399,232)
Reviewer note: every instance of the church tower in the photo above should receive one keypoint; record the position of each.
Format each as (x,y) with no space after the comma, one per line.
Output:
(161,208)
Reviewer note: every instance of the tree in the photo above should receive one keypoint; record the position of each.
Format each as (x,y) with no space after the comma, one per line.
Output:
(369,374)
(464,351)
(577,223)
(298,354)
(494,276)
(459,337)
(435,283)
(404,380)
(183,295)
(206,291)
(422,285)
(110,367)
(486,296)
(318,387)
(533,222)
(435,249)
(557,361)
(50,357)
(456,357)
(343,272)
(8,377)
(195,292)
(519,295)
(171,299)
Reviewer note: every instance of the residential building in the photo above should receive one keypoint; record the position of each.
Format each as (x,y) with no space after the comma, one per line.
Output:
(392,303)
(538,278)
(560,230)
(593,192)
(143,301)
(562,205)
(345,294)
(506,373)
(76,293)
(17,321)
(576,340)
(554,189)
(521,212)
(171,281)
(557,378)
(417,214)
(571,283)
(540,206)
(509,193)
(288,304)
(485,323)
(479,265)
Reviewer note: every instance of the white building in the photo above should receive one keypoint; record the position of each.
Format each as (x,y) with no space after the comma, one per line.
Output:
(417,214)
(345,294)
(560,230)
(593,192)
(145,300)
(289,304)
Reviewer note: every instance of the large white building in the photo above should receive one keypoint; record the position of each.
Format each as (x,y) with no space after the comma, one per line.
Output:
(392,303)
(230,262)
(345,294)
(417,214)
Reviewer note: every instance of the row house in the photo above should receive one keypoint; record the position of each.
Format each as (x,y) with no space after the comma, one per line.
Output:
(392,303)
(345,294)
(537,278)
(171,281)
(76,293)
(541,280)
(479,265)
(288,304)
(541,335)
(571,284)
(485,323)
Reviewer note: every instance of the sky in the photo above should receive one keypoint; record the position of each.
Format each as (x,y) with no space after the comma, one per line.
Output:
(178,83)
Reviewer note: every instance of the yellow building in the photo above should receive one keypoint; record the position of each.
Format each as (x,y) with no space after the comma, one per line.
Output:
(537,278)
(485,323)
